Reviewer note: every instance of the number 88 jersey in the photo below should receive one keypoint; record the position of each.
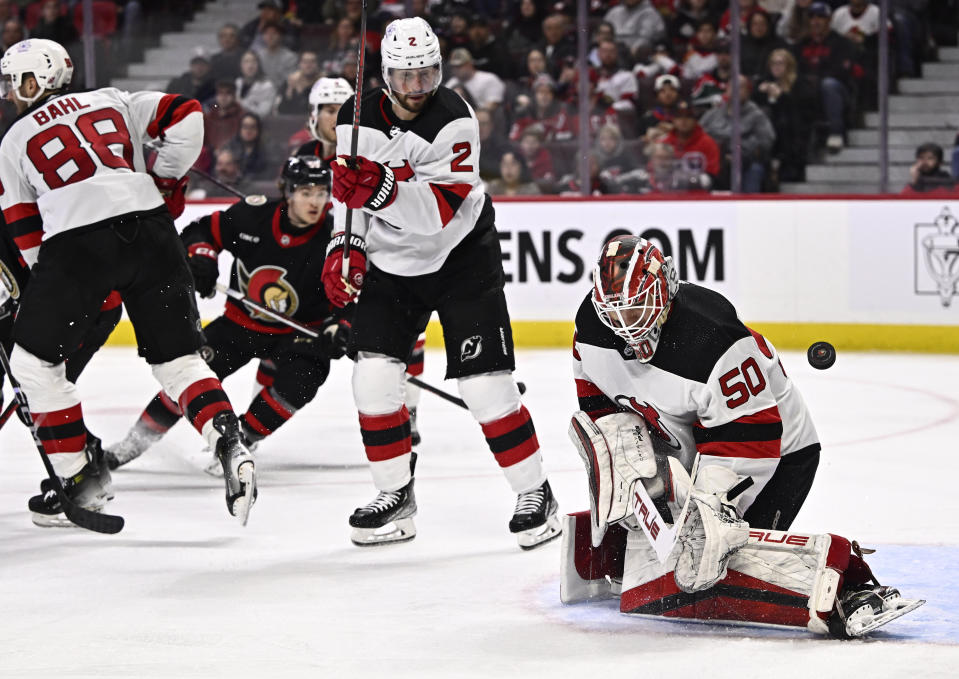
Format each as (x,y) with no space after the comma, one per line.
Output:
(76,159)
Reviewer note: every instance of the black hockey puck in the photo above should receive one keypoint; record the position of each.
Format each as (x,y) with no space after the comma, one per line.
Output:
(821,355)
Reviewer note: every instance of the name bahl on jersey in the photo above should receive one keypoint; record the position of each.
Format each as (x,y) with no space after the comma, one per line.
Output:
(713,386)
(435,160)
(275,264)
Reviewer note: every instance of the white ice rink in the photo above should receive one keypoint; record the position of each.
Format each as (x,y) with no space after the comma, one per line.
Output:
(184,591)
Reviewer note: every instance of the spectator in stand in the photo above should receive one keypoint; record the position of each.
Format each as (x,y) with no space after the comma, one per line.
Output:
(225,64)
(793,26)
(910,21)
(746,7)
(712,86)
(8,10)
(246,147)
(514,177)
(826,60)
(558,46)
(271,12)
(255,92)
(526,28)
(195,83)
(54,24)
(535,67)
(689,15)
(701,56)
(612,157)
(615,83)
(545,110)
(457,32)
(489,53)
(858,22)
(484,87)
(295,97)
(927,175)
(600,112)
(638,26)
(492,145)
(691,143)
(537,156)
(659,62)
(569,184)
(276,60)
(790,105)
(340,48)
(13,32)
(756,133)
(221,119)
(758,43)
(657,122)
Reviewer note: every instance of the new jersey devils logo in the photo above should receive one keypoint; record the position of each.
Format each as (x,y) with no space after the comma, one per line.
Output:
(268,286)
(653,420)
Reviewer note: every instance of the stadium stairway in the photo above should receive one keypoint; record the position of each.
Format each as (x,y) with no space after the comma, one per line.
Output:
(926,109)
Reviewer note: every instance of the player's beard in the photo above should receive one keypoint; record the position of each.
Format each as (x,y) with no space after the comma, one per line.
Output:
(412,106)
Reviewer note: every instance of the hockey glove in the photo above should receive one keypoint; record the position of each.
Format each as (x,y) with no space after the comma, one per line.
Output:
(365,184)
(173,192)
(336,337)
(203,266)
(339,290)
(301,345)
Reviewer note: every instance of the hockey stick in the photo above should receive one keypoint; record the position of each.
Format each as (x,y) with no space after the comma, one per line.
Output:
(7,413)
(306,330)
(354,142)
(95,521)
(226,187)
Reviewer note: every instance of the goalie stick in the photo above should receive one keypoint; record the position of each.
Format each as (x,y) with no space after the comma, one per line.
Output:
(306,330)
(95,521)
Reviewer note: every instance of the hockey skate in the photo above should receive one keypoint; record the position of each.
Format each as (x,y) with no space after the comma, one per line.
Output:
(862,609)
(239,470)
(214,468)
(90,488)
(133,445)
(388,518)
(535,520)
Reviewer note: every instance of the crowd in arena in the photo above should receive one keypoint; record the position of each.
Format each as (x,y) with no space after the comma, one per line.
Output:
(659,81)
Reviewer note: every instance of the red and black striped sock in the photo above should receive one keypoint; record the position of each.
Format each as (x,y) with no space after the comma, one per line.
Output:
(386,436)
(203,400)
(511,439)
(61,431)
(266,373)
(266,414)
(161,414)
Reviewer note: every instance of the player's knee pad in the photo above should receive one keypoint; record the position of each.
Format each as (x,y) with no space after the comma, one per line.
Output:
(490,396)
(45,384)
(176,375)
(378,383)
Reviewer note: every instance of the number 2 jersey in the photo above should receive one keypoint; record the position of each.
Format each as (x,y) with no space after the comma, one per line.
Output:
(713,386)
(435,159)
(76,160)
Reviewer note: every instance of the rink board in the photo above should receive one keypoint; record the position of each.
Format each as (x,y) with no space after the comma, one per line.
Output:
(862,273)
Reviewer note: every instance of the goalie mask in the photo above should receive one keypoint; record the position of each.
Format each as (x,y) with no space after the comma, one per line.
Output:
(326,91)
(411,58)
(633,286)
(46,60)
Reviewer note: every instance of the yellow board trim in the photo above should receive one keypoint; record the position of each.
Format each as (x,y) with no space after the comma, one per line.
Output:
(936,339)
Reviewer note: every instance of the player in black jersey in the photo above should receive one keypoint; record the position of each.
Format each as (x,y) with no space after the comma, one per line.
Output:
(418,203)
(278,248)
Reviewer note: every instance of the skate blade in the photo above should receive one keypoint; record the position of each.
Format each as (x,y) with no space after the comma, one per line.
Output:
(52,520)
(243,504)
(867,625)
(534,537)
(400,530)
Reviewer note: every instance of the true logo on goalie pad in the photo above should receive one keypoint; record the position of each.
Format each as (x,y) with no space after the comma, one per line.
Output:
(778,538)
(648,518)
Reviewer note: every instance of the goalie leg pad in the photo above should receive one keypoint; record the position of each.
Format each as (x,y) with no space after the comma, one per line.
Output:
(590,573)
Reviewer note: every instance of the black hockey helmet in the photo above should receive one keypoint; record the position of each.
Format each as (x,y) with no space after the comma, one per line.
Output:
(304,171)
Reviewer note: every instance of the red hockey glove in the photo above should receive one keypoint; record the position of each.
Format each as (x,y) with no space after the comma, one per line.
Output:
(173,192)
(342,291)
(203,266)
(367,184)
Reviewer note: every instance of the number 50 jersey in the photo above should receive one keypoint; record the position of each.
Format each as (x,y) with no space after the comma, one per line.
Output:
(76,159)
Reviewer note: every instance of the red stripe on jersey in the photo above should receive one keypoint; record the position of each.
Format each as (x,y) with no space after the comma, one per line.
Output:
(112,301)
(255,424)
(443,204)
(382,422)
(587,388)
(276,405)
(215,230)
(29,240)
(767,416)
(20,211)
(186,107)
(746,449)
(761,343)
(387,452)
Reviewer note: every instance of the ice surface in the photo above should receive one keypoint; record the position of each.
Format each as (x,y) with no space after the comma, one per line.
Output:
(185,591)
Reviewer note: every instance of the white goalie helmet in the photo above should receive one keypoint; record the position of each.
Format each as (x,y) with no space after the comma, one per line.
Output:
(410,46)
(326,91)
(46,60)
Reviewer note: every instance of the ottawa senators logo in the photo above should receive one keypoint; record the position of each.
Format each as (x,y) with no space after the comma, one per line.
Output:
(268,286)
(652,417)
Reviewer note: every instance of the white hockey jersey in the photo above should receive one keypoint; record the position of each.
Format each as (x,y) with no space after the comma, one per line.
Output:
(435,159)
(76,159)
(713,386)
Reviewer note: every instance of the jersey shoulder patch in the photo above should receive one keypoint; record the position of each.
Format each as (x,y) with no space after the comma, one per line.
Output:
(701,327)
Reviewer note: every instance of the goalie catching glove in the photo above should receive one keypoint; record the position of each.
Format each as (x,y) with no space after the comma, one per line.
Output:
(363,183)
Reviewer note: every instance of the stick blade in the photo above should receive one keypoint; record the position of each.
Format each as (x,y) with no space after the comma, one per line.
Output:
(108,524)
